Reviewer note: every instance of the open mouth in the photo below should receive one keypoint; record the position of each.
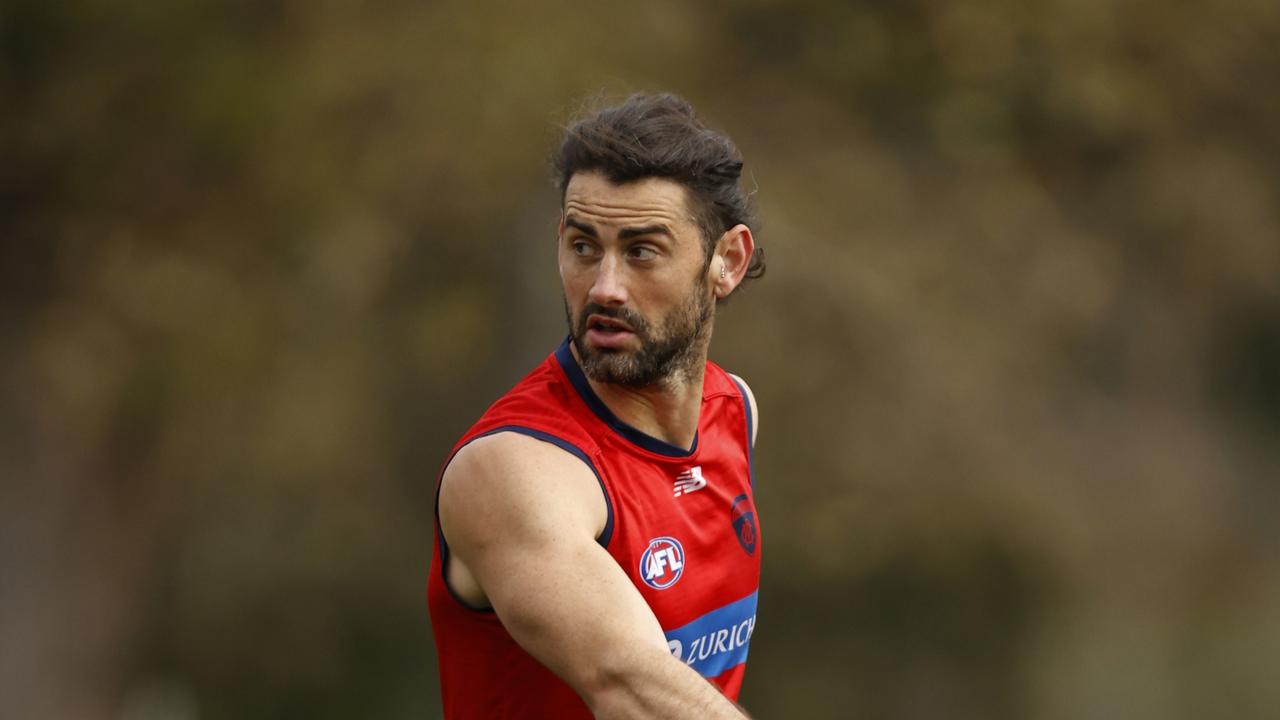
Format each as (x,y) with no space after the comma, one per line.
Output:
(608,333)
(607,325)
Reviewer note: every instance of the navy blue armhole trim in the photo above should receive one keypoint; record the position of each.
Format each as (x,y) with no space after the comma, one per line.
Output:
(751,430)
(579,381)
(605,535)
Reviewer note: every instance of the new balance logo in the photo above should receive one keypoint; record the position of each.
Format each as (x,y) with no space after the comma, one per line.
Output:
(689,480)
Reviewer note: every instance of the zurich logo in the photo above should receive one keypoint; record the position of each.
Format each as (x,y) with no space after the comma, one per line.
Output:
(662,563)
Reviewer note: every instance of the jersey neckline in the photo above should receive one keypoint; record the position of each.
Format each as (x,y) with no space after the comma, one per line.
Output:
(577,378)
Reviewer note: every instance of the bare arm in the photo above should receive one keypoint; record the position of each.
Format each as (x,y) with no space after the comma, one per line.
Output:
(521,517)
(755,411)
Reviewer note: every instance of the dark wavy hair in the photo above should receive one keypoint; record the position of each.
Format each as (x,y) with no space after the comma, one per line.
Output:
(660,136)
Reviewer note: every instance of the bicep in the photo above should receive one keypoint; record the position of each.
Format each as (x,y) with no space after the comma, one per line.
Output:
(569,605)
(523,516)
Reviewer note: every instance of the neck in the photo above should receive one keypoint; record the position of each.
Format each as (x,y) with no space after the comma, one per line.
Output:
(667,410)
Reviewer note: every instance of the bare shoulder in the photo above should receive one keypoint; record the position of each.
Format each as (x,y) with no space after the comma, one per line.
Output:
(515,481)
(755,410)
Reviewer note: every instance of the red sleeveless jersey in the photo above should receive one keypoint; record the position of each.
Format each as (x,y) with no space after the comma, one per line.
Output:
(682,524)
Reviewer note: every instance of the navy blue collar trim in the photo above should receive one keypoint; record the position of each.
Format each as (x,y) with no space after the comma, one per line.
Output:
(579,380)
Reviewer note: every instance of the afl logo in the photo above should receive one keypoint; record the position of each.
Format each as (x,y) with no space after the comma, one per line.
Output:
(744,523)
(662,563)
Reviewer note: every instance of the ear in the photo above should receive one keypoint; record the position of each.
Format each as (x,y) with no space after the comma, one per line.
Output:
(733,254)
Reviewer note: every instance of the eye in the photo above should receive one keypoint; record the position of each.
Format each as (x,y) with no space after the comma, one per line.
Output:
(581,248)
(642,252)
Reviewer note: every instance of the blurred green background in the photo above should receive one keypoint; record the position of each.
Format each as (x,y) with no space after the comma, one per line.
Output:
(1017,353)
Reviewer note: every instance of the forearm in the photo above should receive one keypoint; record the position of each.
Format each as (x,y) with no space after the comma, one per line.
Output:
(655,686)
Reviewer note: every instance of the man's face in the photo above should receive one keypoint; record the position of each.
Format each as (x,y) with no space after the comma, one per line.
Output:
(636,286)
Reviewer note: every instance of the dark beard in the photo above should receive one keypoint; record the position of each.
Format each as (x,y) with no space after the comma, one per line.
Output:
(669,349)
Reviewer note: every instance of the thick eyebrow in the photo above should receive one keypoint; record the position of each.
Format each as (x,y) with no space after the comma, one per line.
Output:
(585,228)
(658,229)
(624,234)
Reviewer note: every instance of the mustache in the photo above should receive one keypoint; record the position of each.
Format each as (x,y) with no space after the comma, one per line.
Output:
(629,317)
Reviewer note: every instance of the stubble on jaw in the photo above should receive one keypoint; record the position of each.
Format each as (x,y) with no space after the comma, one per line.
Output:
(671,357)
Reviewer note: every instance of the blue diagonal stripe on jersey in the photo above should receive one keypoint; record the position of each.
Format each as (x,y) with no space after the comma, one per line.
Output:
(718,640)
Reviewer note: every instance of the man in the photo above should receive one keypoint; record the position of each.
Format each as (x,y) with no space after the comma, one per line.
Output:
(597,544)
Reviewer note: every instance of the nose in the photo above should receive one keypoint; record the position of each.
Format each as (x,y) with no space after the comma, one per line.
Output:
(608,288)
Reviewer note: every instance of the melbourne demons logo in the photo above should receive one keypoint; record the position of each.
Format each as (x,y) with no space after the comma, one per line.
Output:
(662,563)
(744,523)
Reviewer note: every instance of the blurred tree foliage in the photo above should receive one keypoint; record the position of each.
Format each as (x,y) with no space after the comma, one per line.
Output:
(1017,353)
